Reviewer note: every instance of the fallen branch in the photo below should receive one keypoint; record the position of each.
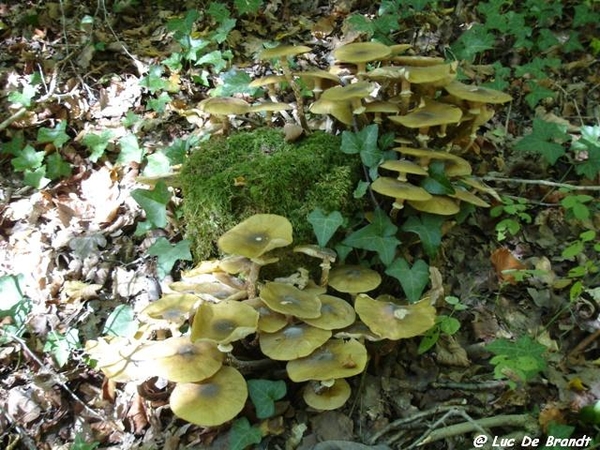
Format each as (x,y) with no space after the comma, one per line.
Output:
(12,118)
(541,183)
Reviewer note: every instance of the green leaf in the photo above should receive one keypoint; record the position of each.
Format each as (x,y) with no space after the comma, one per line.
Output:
(325,226)
(23,98)
(169,254)
(361,189)
(216,58)
(36,178)
(242,435)
(185,25)
(429,229)
(121,322)
(437,183)
(97,143)
(545,139)
(158,104)
(572,250)
(28,159)
(56,135)
(363,142)
(154,203)
(218,11)
(130,150)
(154,80)
(379,236)
(57,167)
(157,164)
(60,346)
(524,357)
(11,292)
(264,394)
(234,81)
(361,24)
(475,40)
(449,325)
(429,339)
(14,146)
(412,279)
(587,147)
(537,94)
(247,6)
(222,31)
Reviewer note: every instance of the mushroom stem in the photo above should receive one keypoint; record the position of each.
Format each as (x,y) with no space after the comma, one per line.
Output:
(285,68)
(252,279)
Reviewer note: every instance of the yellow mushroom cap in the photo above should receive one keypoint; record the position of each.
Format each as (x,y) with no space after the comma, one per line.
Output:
(224,106)
(342,111)
(480,186)
(353,279)
(442,206)
(357,330)
(287,299)
(213,401)
(179,359)
(469,197)
(420,61)
(326,398)
(270,107)
(257,235)
(172,307)
(403,166)
(335,359)
(361,52)
(318,74)
(224,322)
(476,94)
(269,321)
(293,341)
(336,313)
(283,51)
(393,321)
(266,81)
(316,251)
(432,114)
(391,187)
(358,90)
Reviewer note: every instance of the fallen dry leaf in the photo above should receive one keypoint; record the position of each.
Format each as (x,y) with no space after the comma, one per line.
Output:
(503,260)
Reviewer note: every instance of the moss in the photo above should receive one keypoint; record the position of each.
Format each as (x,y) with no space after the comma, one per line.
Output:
(272,177)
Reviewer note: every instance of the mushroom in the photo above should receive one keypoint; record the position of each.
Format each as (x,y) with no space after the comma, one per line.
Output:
(403,167)
(353,93)
(254,237)
(480,186)
(293,341)
(425,156)
(269,108)
(468,197)
(174,308)
(360,53)
(442,206)
(337,358)
(420,61)
(318,78)
(399,191)
(281,53)
(393,321)
(378,108)
(336,313)
(342,111)
(269,321)
(353,279)
(224,322)
(221,107)
(178,359)
(326,254)
(213,401)
(432,114)
(287,299)
(326,398)
(358,331)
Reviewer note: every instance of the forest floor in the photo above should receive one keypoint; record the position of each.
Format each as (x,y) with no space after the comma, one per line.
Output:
(93,98)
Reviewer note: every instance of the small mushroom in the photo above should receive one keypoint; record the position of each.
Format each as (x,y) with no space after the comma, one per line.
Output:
(326,398)
(353,279)
(342,111)
(358,331)
(221,107)
(213,401)
(399,191)
(287,299)
(224,322)
(432,114)
(354,93)
(393,321)
(337,358)
(377,108)
(269,321)
(336,313)
(293,341)
(403,167)
(269,108)
(174,308)
(360,53)
(439,205)
(468,197)
(318,78)
(480,186)
(327,255)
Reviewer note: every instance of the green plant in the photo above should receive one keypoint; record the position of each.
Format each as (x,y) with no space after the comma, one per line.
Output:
(444,324)
(14,308)
(516,210)
(517,361)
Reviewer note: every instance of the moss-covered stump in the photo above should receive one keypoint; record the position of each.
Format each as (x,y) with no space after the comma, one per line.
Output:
(227,180)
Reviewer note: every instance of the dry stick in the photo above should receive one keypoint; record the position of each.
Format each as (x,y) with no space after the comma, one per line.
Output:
(12,118)
(541,183)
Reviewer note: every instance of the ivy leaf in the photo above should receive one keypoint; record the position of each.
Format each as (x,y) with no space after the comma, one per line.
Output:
(87,245)
(154,80)
(23,98)
(97,143)
(325,226)
(379,236)
(27,159)
(475,40)
(36,178)
(234,82)
(218,11)
(429,229)
(537,93)
(545,139)
(154,203)
(247,6)
(412,279)
(169,254)
(242,435)
(437,183)
(264,394)
(523,358)
(363,142)
(57,167)
(130,150)
(121,322)
(588,146)
(56,135)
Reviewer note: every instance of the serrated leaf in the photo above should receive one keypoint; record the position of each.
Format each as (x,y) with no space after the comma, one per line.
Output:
(325,226)
(168,254)
(130,150)
(154,203)
(242,435)
(56,135)
(412,279)
(121,322)
(264,394)
(97,143)
(379,236)
(429,229)
(523,357)
(545,139)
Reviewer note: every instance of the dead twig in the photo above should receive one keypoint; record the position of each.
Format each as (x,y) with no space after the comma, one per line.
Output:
(541,183)
(16,116)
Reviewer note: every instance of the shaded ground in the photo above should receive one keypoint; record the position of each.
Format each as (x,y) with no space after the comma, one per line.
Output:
(75,243)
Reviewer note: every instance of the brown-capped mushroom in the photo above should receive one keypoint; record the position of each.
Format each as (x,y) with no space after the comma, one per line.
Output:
(323,397)
(213,401)
(319,79)
(403,167)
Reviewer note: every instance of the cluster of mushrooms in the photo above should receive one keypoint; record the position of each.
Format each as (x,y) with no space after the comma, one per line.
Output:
(294,320)
(417,97)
